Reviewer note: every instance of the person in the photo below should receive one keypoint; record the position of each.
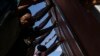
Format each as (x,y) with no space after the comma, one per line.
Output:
(27,22)
(25,15)
(43,23)
(43,11)
(37,33)
(41,49)
(54,46)
(36,42)
(40,27)
(26,19)
(20,47)
(27,3)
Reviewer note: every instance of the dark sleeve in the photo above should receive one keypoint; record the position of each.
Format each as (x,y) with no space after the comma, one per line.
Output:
(41,13)
(52,48)
(44,23)
(40,40)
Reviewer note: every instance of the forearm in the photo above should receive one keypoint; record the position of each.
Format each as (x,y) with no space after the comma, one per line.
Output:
(51,49)
(41,13)
(43,37)
(44,22)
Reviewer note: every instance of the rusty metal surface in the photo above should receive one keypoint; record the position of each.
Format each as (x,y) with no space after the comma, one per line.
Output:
(84,25)
(63,32)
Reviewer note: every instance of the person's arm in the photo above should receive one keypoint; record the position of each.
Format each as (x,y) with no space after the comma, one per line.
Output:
(40,40)
(37,33)
(54,46)
(38,16)
(28,3)
(24,4)
(43,31)
(54,41)
(51,39)
(23,7)
(34,43)
(43,23)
